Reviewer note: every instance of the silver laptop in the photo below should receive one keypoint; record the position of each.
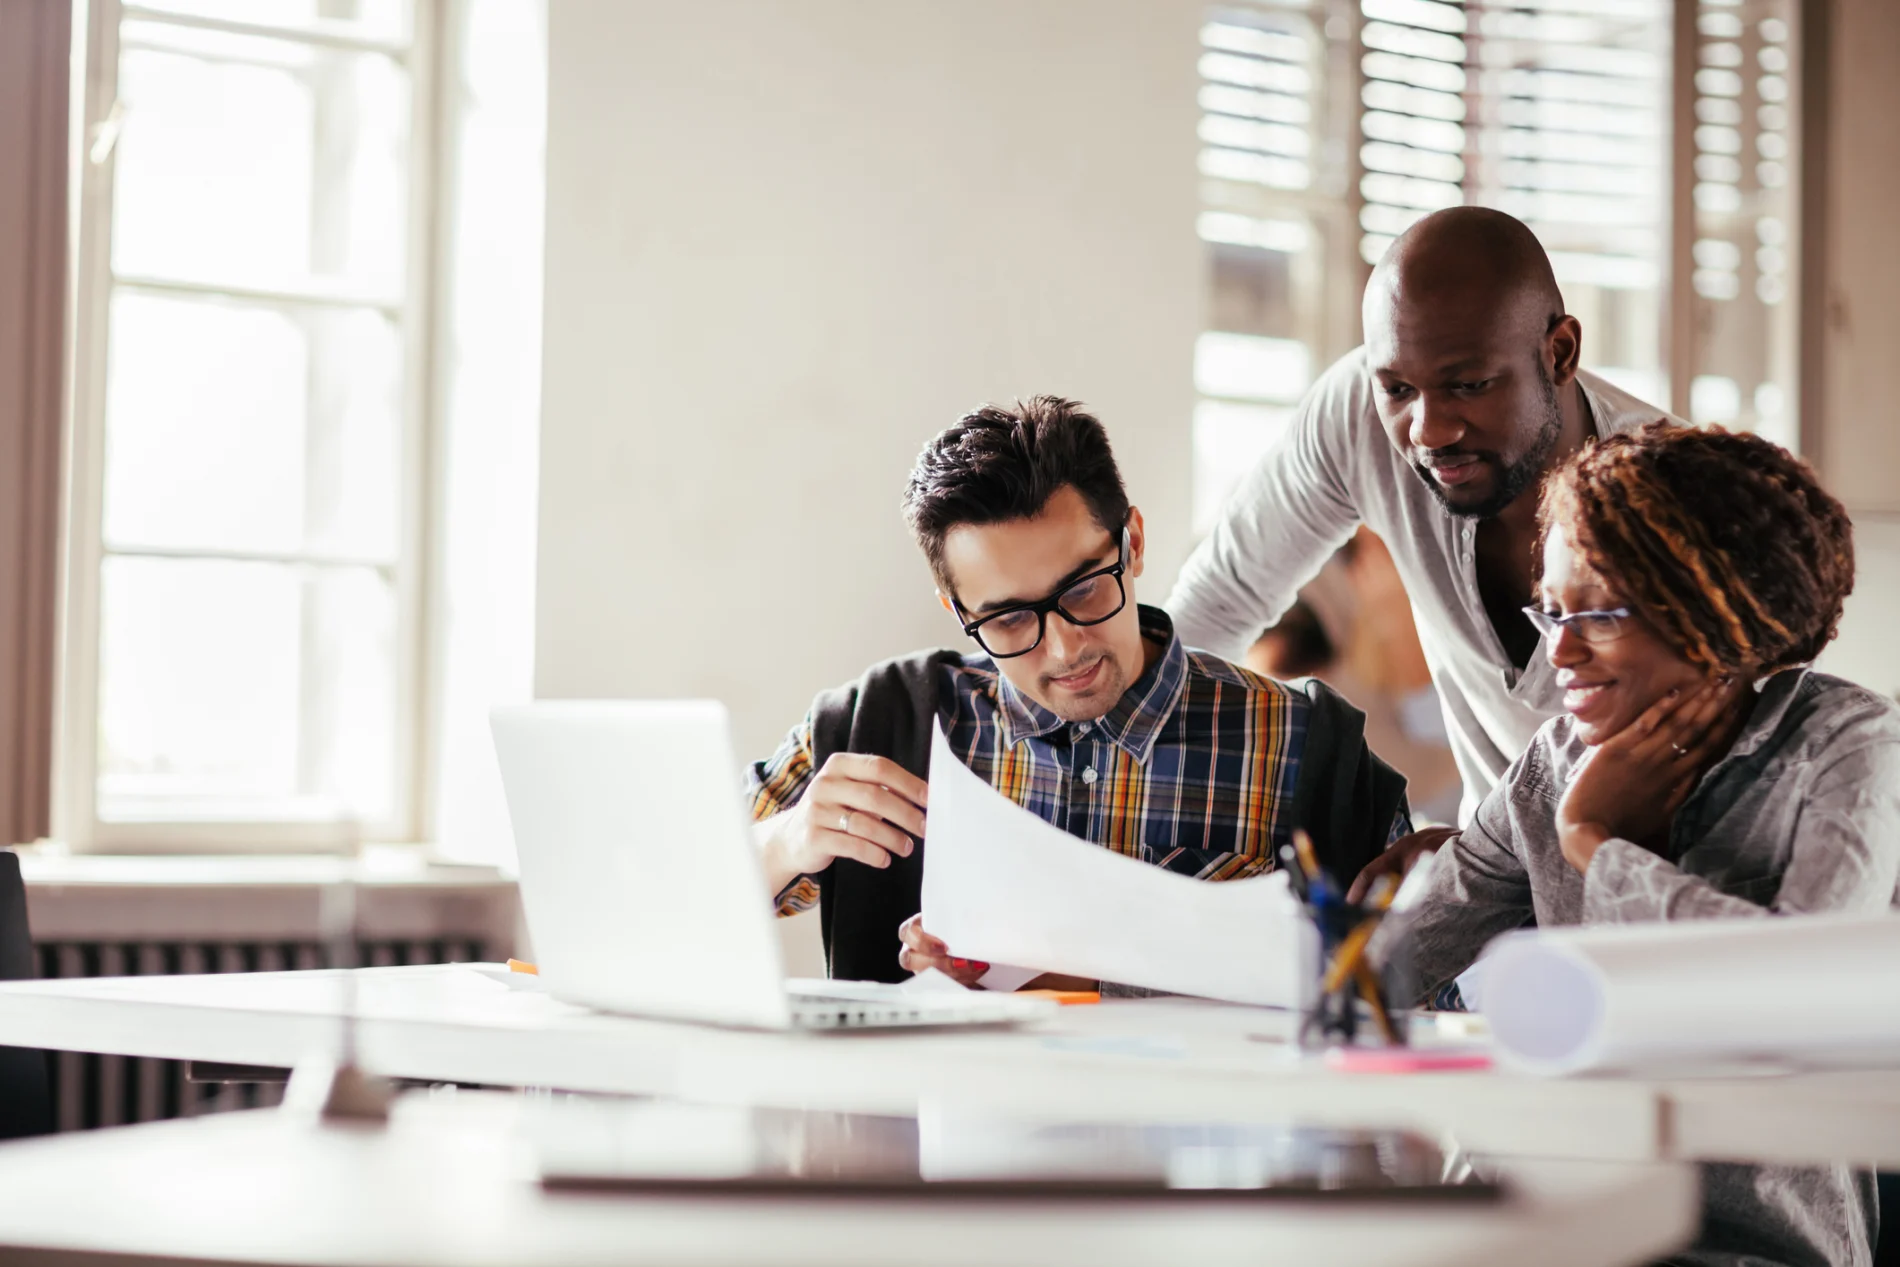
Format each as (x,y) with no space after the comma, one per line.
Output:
(642,889)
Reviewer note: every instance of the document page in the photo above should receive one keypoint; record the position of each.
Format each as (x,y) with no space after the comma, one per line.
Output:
(1002,886)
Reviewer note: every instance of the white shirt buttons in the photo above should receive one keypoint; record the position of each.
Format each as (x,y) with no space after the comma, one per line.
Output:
(1088,774)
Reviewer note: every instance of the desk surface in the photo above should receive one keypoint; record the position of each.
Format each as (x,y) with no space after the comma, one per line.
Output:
(444,1184)
(1152,1059)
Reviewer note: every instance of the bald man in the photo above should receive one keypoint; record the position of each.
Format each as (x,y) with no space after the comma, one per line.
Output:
(1436,433)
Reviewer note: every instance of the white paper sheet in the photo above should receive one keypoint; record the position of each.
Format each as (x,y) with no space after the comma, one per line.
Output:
(1007,976)
(1002,886)
(1801,990)
(933,981)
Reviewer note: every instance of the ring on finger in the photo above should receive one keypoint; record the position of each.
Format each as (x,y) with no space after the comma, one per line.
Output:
(844,822)
(1680,750)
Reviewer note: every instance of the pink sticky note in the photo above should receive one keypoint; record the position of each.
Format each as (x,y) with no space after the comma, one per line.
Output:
(1404,1059)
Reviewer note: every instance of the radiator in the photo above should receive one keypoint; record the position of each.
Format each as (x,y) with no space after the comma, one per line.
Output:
(93,1090)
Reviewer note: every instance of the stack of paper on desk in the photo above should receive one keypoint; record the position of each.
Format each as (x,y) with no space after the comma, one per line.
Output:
(1002,886)
(1804,990)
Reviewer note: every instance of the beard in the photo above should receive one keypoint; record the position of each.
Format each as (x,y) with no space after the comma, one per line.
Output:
(1514,479)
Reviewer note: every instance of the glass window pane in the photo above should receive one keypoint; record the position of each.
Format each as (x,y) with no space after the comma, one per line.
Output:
(1557,125)
(205,417)
(236,427)
(245,691)
(199,681)
(353,504)
(351,707)
(259,162)
(1253,291)
(382,19)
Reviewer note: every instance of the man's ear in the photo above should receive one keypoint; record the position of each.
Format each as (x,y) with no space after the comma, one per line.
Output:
(1563,348)
(1137,541)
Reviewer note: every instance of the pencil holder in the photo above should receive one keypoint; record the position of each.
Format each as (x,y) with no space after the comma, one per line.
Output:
(1353,1004)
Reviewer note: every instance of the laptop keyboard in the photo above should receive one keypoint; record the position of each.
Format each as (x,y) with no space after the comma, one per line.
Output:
(821,1010)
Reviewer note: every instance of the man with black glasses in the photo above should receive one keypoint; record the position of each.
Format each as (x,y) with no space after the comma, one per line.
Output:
(1078,704)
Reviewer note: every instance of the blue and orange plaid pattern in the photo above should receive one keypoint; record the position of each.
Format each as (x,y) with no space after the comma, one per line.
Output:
(1192,769)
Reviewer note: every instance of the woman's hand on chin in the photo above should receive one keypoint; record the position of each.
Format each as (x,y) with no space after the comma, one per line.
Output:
(1632,783)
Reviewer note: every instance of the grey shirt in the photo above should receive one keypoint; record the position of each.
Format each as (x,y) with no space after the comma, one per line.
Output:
(1336,469)
(1801,816)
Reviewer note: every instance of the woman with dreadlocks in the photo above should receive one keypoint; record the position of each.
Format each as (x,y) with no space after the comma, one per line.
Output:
(1701,769)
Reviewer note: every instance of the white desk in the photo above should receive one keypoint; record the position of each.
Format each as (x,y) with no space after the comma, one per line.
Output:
(444,1186)
(1159,1059)
(1156,1060)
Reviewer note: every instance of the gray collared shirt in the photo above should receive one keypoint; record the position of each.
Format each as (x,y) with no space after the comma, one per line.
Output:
(1337,468)
(1802,816)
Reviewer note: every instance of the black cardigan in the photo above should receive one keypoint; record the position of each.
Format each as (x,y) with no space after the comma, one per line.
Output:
(1346,798)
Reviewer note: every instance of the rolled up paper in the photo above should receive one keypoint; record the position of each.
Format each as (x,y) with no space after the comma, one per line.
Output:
(1802,990)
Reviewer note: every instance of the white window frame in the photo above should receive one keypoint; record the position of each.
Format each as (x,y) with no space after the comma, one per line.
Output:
(76,821)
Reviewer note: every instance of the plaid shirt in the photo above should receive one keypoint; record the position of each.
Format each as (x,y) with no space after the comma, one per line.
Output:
(1193,769)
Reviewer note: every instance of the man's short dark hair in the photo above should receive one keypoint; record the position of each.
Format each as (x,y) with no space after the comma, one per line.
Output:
(996,465)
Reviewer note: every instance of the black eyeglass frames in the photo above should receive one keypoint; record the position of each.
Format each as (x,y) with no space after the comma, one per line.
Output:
(1089,599)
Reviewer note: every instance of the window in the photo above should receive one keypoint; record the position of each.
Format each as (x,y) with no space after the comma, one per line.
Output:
(1274,218)
(1742,187)
(255,630)
(1328,127)
(1556,112)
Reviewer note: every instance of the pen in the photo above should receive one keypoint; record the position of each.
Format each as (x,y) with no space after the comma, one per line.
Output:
(1318,888)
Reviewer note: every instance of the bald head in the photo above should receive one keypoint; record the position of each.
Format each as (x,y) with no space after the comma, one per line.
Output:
(1472,358)
(1465,259)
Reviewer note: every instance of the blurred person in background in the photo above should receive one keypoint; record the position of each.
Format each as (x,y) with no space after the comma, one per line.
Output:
(1351,627)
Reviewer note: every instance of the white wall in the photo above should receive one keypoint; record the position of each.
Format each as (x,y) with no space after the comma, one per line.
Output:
(489,388)
(1860,436)
(1870,631)
(787,243)
(1860,446)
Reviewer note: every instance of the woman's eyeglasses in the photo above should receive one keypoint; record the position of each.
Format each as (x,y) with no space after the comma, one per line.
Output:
(1087,600)
(1594,626)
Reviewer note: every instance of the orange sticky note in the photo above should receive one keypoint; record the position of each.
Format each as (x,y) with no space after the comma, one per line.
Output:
(1067,998)
(522,965)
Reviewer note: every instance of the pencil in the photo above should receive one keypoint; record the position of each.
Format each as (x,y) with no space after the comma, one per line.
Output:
(1346,958)
(1369,991)
(1308,856)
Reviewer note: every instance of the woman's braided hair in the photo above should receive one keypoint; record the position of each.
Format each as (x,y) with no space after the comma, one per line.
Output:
(1724,541)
